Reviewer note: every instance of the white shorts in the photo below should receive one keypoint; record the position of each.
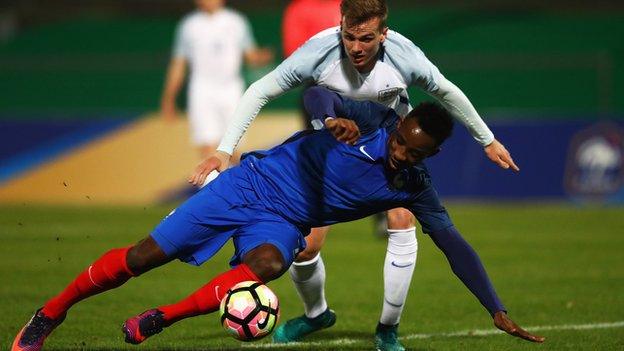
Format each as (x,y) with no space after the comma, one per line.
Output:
(210,109)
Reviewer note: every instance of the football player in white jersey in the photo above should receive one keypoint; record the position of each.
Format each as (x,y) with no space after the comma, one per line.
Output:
(361,59)
(212,41)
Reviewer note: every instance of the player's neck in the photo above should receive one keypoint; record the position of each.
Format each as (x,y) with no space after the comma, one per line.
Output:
(212,11)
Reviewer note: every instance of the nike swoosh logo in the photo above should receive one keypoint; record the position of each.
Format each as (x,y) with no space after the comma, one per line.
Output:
(401,265)
(219,298)
(264,322)
(365,153)
(392,304)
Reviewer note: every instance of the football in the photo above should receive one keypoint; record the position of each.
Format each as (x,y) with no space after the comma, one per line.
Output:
(249,311)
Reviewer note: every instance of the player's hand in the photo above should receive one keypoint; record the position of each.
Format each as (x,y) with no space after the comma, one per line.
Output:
(218,161)
(497,153)
(343,129)
(504,323)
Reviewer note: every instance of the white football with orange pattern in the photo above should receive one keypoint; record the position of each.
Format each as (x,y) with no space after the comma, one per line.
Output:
(249,311)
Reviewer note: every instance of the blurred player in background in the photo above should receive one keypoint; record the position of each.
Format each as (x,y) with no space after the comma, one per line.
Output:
(361,59)
(213,41)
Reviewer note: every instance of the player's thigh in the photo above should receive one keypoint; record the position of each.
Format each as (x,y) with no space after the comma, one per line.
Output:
(314,243)
(269,230)
(197,229)
(400,218)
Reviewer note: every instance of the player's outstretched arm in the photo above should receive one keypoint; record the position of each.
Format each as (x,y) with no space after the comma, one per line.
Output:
(498,154)
(467,266)
(504,323)
(248,107)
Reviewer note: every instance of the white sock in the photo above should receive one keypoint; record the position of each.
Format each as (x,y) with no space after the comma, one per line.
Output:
(398,270)
(309,280)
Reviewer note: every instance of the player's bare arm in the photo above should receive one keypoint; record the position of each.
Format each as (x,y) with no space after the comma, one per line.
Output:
(173,83)
(258,57)
(504,323)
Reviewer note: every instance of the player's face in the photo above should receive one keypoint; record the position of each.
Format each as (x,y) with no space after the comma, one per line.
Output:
(362,42)
(209,5)
(409,145)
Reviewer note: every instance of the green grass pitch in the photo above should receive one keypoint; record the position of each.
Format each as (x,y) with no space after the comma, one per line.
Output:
(553,265)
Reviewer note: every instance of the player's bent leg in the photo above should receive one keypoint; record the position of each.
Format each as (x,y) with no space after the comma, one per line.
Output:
(266,262)
(398,270)
(263,263)
(308,275)
(111,270)
(204,300)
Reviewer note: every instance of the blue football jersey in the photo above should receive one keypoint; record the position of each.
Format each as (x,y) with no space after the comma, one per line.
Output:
(314,180)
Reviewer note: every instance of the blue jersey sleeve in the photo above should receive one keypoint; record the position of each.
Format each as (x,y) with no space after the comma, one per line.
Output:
(467,266)
(321,103)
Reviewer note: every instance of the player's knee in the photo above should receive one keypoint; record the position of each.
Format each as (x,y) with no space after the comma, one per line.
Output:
(136,261)
(266,262)
(308,254)
(144,256)
(400,218)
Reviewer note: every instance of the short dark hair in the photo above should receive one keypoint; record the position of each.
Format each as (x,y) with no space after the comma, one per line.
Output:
(434,120)
(360,11)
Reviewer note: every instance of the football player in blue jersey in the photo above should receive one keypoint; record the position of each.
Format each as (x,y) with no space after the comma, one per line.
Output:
(268,204)
(365,60)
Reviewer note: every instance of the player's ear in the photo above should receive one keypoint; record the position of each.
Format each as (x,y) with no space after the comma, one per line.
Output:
(384,33)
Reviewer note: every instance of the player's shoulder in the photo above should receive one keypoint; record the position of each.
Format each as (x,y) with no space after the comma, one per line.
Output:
(190,20)
(323,42)
(190,17)
(397,44)
(407,58)
(327,34)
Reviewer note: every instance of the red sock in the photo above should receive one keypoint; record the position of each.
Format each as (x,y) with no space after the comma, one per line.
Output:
(208,298)
(108,272)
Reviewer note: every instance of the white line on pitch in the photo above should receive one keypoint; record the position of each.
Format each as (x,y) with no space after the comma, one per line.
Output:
(484,332)
(477,332)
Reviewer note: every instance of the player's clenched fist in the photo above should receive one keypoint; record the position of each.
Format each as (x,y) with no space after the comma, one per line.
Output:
(344,130)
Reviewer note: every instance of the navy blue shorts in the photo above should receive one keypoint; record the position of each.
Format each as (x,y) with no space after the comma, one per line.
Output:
(200,227)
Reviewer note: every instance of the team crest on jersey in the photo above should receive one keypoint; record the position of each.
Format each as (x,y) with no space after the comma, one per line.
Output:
(595,167)
(388,94)
(399,180)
